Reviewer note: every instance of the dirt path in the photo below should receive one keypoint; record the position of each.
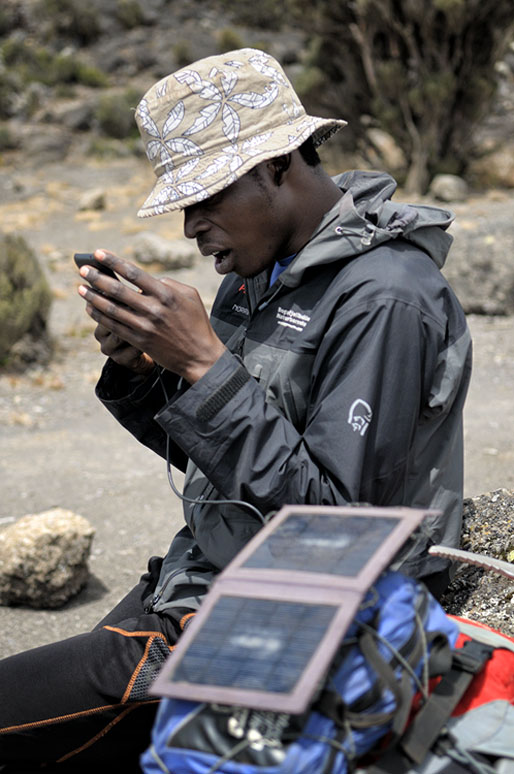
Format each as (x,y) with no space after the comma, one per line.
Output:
(60,447)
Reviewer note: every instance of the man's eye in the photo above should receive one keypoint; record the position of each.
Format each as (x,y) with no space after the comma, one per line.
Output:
(214,200)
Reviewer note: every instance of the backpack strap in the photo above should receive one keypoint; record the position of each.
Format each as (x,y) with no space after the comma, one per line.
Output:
(420,736)
(486,635)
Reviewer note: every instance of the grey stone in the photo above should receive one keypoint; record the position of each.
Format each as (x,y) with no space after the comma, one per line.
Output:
(43,558)
(449,188)
(494,168)
(47,144)
(93,200)
(480,267)
(384,152)
(169,253)
(78,116)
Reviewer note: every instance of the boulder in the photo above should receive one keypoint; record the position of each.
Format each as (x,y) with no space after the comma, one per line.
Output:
(483,595)
(93,200)
(449,188)
(46,143)
(384,152)
(43,558)
(494,168)
(480,267)
(25,300)
(77,115)
(169,253)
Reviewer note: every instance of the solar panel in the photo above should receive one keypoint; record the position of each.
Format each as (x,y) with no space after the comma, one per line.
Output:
(337,542)
(323,543)
(266,644)
(270,626)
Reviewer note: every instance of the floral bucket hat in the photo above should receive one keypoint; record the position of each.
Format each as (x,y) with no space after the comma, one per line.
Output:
(208,124)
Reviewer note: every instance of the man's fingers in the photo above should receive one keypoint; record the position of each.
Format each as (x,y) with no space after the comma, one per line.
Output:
(125,297)
(136,276)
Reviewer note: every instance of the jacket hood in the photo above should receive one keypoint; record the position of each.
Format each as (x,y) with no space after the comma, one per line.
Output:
(364,218)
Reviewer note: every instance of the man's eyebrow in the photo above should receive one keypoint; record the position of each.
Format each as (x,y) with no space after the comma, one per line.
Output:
(216,197)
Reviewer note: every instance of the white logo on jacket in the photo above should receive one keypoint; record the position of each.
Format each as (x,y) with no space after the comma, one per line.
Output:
(360,416)
(288,318)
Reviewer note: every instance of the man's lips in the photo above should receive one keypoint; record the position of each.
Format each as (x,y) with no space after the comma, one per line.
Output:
(217,252)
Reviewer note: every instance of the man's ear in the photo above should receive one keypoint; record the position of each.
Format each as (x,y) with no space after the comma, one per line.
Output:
(278,167)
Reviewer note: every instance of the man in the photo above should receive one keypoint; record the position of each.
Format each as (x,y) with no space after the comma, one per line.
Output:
(333,370)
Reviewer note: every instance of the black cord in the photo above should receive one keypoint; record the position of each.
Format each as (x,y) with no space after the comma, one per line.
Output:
(199,500)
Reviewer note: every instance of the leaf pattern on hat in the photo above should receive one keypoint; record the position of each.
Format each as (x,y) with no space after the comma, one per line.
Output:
(260,63)
(161,145)
(220,99)
(292,112)
(234,156)
(231,123)
(252,99)
(174,189)
(162,88)
(174,118)
(228,81)
(186,168)
(206,117)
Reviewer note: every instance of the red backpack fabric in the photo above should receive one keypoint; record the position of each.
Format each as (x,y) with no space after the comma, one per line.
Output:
(496,680)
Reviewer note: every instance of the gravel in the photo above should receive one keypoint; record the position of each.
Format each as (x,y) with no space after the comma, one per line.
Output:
(483,595)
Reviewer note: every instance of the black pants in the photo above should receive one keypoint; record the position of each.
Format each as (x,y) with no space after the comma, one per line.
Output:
(81,704)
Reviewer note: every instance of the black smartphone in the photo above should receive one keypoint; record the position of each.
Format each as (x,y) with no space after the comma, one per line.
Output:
(88,259)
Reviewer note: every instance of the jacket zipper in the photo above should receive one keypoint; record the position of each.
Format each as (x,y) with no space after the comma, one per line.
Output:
(240,347)
(156,598)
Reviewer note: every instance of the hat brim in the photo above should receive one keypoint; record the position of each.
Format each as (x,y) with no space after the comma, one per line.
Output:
(200,177)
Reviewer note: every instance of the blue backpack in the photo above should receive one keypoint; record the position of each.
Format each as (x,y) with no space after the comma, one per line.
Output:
(399,638)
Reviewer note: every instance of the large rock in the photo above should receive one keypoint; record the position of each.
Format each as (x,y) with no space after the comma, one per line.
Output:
(483,595)
(384,153)
(480,266)
(494,169)
(25,296)
(93,200)
(449,188)
(43,558)
(171,254)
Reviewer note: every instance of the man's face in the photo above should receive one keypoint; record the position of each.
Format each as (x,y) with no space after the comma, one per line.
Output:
(244,226)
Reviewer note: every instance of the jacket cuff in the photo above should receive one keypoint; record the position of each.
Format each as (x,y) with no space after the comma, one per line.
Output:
(118,384)
(208,409)
(204,399)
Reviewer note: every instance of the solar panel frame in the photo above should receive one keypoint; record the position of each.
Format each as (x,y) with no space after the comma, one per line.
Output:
(294,702)
(343,592)
(408,519)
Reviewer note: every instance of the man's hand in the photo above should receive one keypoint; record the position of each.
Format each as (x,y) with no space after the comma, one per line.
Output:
(122,353)
(163,322)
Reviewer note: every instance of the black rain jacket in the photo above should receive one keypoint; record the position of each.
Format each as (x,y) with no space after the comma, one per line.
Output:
(343,382)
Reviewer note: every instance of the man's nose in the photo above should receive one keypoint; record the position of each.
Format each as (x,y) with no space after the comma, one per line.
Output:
(194,221)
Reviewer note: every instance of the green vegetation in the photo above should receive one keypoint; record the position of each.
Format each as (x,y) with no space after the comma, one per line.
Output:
(115,114)
(7,20)
(422,70)
(130,13)
(7,139)
(74,19)
(25,296)
(229,40)
(263,14)
(29,62)
(182,53)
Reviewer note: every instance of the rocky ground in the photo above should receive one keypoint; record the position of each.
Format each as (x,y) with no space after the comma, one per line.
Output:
(61,448)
